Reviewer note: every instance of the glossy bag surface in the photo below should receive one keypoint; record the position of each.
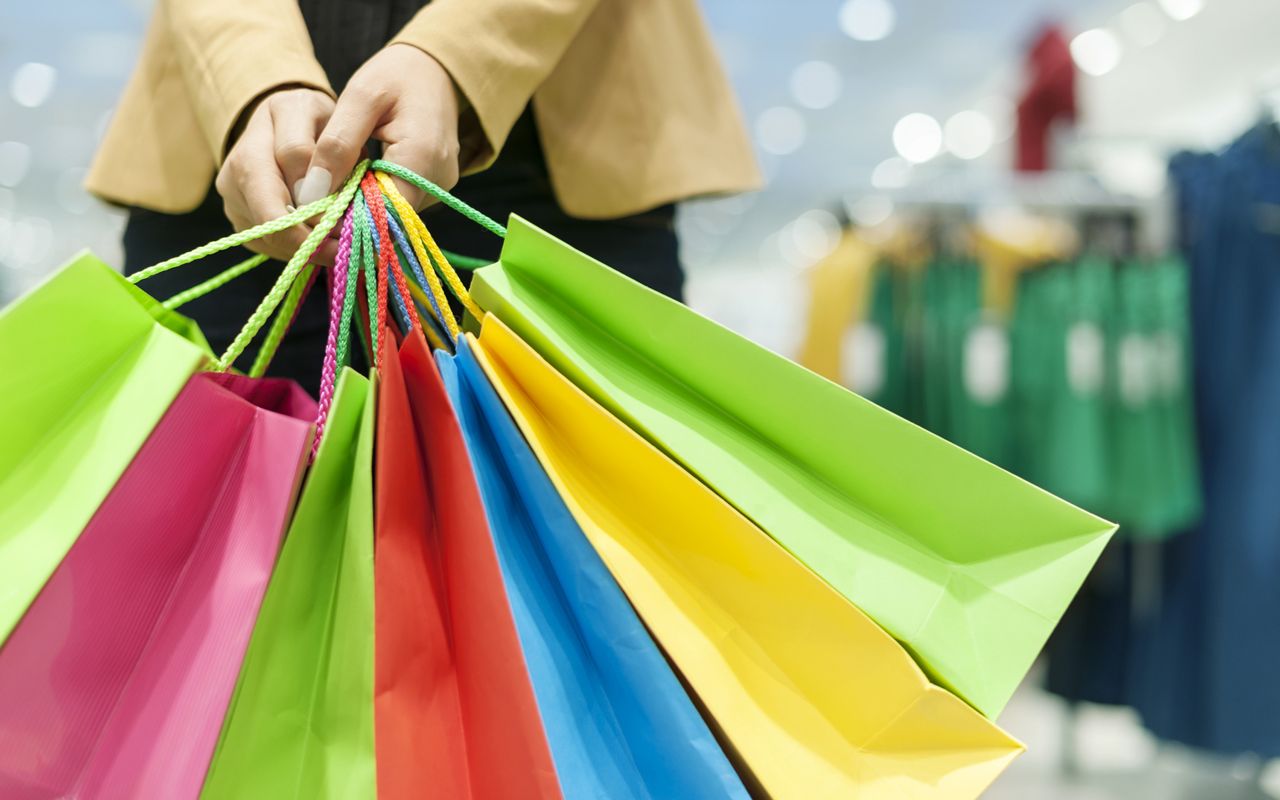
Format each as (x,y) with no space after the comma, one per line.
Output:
(300,723)
(454,709)
(116,681)
(813,699)
(618,722)
(88,365)
(967,565)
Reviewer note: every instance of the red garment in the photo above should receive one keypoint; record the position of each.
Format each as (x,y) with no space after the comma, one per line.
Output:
(1050,96)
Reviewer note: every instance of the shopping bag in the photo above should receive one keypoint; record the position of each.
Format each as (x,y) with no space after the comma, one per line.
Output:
(811,696)
(300,723)
(967,565)
(88,364)
(115,682)
(617,720)
(455,714)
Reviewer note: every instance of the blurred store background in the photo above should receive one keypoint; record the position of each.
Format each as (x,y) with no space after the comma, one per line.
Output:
(1047,229)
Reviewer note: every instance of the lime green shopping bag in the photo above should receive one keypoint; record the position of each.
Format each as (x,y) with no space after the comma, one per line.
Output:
(88,365)
(965,564)
(300,723)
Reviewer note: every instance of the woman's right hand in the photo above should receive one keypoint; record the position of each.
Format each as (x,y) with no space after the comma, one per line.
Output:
(260,175)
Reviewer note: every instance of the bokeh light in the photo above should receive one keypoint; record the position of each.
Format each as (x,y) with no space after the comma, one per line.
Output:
(816,85)
(917,137)
(1096,51)
(867,20)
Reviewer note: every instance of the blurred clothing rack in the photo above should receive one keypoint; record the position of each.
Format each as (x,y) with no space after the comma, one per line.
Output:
(1079,197)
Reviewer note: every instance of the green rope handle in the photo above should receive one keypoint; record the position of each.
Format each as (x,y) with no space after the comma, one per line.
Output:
(242,237)
(440,194)
(349,299)
(369,262)
(217,281)
(280,325)
(332,212)
(466,263)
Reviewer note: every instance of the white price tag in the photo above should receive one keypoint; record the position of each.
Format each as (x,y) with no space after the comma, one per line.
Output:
(1086,362)
(986,363)
(1137,376)
(863,358)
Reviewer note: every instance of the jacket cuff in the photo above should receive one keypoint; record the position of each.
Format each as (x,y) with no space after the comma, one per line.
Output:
(490,109)
(227,89)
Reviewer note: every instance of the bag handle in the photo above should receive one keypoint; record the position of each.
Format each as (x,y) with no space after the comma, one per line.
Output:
(428,251)
(318,234)
(440,194)
(388,264)
(285,316)
(429,318)
(216,282)
(369,266)
(341,308)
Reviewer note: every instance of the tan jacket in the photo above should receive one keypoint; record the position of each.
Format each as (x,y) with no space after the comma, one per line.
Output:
(631,103)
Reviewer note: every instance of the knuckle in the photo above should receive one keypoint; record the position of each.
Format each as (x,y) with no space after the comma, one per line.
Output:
(291,151)
(332,146)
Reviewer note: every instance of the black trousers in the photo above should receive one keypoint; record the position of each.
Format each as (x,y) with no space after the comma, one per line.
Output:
(643,246)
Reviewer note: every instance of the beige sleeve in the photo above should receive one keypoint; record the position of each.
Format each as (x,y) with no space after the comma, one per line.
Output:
(498,53)
(230,52)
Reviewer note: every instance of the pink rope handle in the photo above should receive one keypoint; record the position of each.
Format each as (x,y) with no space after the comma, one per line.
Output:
(337,294)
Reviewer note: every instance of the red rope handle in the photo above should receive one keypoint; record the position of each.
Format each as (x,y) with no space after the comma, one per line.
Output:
(387,254)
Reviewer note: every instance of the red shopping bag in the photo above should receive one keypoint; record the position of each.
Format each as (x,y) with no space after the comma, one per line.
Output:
(454,709)
(116,681)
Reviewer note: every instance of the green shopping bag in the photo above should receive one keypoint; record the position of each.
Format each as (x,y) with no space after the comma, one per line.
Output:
(967,565)
(300,724)
(88,365)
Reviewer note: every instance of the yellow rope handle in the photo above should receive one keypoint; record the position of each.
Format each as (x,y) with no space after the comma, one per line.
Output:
(414,223)
(409,217)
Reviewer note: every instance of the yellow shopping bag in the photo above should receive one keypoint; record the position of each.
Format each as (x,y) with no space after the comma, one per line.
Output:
(813,698)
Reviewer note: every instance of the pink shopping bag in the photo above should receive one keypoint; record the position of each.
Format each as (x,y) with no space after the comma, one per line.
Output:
(115,682)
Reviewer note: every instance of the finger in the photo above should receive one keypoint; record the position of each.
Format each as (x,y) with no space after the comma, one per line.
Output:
(295,129)
(339,147)
(433,156)
(266,198)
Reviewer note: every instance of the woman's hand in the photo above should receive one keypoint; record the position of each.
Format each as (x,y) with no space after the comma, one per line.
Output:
(403,98)
(264,168)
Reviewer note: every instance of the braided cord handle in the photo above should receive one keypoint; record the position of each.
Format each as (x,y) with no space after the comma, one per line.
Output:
(465,263)
(418,230)
(369,264)
(387,260)
(339,319)
(352,269)
(438,193)
(241,238)
(284,319)
(430,315)
(332,212)
(439,300)
(216,282)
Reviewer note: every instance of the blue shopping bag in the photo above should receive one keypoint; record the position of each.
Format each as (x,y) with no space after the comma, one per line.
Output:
(618,722)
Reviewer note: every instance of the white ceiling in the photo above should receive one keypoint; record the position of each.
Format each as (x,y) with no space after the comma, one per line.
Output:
(942,56)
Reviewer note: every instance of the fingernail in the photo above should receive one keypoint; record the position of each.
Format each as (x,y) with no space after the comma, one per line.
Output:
(290,207)
(314,186)
(297,189)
